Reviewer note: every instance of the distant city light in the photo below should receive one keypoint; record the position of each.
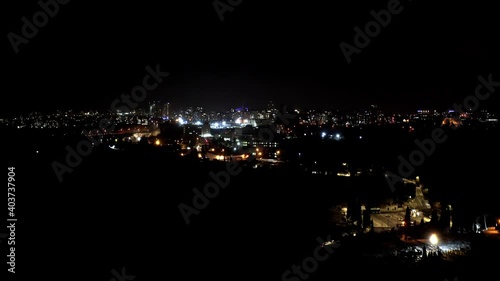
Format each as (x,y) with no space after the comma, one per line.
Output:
(323,134)
(328,243)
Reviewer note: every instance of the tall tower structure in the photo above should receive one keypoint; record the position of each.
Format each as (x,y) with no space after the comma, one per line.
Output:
(271,110)
(166,110)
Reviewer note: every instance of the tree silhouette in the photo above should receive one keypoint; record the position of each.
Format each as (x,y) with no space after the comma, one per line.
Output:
(144,141)
(434,218)
(367,218)
(407,217)
(444,221)
(354,211)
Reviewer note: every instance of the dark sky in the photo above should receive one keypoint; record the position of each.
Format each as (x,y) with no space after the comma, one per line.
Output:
(90,52)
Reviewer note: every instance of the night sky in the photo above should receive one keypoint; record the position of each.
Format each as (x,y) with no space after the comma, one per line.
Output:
(428,56)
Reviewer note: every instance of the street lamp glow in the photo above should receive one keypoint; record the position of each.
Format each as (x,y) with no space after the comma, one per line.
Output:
(433,239)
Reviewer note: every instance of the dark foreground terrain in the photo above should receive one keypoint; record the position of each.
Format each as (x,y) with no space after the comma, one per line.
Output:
(120,209)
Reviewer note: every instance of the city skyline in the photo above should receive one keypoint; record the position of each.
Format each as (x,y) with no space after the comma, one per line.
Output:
(254,105)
